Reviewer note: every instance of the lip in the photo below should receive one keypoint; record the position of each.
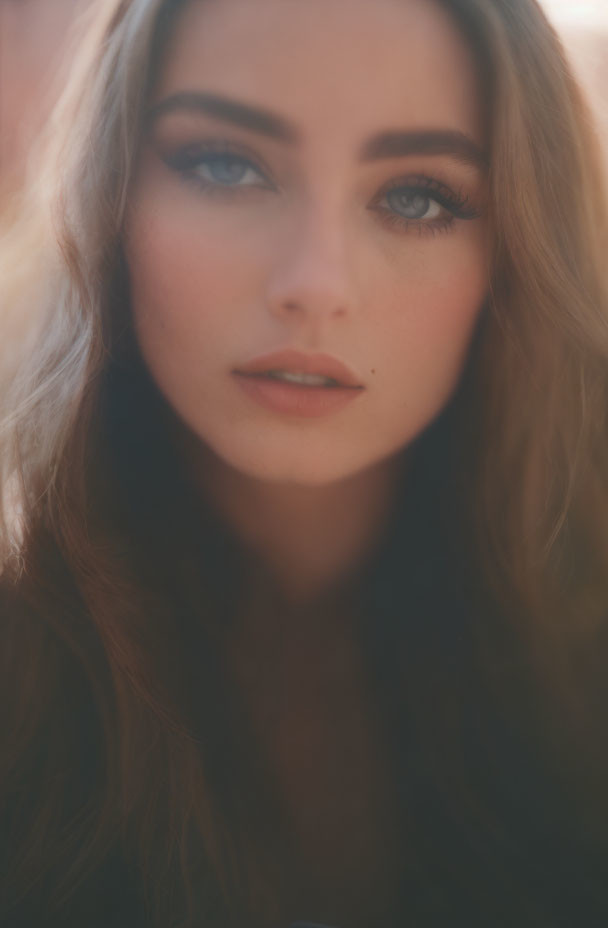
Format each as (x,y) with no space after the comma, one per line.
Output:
(292,399)
(298,362)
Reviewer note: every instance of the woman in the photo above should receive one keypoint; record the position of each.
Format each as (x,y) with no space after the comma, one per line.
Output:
(305,583)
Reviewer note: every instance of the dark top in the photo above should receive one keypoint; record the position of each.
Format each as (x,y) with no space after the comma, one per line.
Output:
(494,840)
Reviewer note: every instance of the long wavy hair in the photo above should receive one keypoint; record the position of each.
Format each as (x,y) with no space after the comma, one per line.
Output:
(115,574)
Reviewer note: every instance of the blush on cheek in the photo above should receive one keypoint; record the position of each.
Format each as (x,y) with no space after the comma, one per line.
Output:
(190,253)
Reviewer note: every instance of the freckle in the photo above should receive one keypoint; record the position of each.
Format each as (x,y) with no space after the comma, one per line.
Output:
(373,370)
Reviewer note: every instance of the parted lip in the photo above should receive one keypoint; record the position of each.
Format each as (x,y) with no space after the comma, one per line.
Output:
(296,362)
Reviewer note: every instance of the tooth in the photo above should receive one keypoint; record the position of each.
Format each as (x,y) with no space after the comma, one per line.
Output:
(313,380)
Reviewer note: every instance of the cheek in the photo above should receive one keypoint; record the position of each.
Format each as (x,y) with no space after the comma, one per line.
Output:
(442,329)
(181,273)
(433,314)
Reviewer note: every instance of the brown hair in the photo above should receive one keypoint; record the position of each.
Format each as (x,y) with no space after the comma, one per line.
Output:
(101,586)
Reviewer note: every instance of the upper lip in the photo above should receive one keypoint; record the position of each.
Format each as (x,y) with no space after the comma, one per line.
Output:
(296,362)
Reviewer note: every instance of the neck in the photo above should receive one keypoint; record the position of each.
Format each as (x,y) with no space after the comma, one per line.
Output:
(308,538)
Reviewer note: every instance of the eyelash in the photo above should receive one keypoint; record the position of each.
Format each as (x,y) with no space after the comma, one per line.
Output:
(187,159)
(458,205)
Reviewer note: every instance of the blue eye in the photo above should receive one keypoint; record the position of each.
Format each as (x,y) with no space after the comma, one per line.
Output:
(227,170)
(216,170)
(413,204)
(422,204)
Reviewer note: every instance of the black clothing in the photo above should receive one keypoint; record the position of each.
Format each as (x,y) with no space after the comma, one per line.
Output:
(492,833)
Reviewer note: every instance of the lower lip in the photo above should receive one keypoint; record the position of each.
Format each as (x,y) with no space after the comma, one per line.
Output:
(293,400)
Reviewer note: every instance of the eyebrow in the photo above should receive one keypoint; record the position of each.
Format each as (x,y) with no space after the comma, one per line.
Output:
(387,144)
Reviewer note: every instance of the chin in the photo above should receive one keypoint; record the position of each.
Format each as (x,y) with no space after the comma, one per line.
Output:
(297,464)
(287,471)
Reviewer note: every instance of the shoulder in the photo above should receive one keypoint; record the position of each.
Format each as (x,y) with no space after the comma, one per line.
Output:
(51,716)
(28,647)
(31,644)
(52,773)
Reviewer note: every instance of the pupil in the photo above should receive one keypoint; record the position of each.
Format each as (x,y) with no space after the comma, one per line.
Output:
(411,205)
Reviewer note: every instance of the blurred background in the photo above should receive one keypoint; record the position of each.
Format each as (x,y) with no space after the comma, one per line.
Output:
(584,28)
(35,48)
(34,42)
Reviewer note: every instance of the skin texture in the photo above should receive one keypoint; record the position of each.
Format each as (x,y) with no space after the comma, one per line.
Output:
(302,256)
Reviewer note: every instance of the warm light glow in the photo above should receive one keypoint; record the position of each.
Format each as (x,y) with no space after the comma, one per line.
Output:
(592,13)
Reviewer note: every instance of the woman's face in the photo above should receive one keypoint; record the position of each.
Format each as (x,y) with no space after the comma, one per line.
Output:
(312,181)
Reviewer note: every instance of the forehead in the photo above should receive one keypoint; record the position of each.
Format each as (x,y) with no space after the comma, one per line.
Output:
(332,66)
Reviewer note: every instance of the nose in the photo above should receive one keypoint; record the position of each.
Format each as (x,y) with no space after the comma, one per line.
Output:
(313,274)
